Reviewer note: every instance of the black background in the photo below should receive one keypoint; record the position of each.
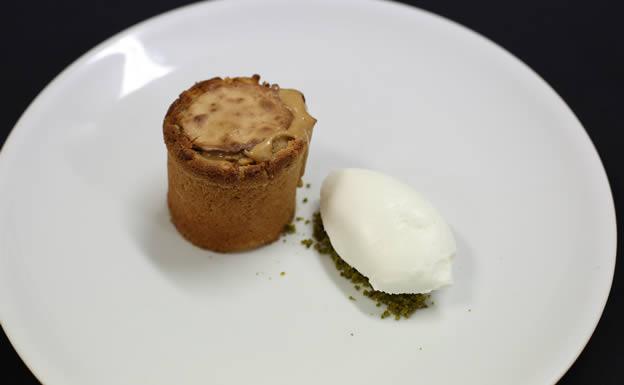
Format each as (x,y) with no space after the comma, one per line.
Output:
(576,46)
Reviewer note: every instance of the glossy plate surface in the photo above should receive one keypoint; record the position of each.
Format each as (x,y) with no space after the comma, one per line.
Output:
(96,286)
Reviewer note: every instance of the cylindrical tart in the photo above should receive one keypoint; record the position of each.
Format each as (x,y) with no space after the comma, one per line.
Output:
(237,150)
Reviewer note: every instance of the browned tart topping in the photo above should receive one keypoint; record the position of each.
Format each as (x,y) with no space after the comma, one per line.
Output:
(240,120)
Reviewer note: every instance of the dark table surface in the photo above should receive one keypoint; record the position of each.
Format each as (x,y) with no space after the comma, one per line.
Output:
(576,46)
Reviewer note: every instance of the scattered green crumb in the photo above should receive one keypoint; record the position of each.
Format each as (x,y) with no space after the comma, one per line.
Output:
(298,219)
(305,200)
(307,242)
(283,273)
(257,273)
(420,348)
(351,334)
(270,279)
(289,229)
(469,309)
(352,298)
(307,222)
(284,240)
(399,305)
(308,185)
(357,287)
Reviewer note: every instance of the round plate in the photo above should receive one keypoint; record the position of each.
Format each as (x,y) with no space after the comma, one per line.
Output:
(97,287)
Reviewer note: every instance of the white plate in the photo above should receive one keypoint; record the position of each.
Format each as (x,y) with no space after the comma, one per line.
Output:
(96,286)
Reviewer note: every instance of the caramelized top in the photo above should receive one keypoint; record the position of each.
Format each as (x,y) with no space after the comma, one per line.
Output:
(239,119)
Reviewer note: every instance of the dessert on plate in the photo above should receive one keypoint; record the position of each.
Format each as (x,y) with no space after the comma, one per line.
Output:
(236,151)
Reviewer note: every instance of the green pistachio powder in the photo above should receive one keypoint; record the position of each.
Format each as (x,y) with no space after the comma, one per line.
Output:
(397,305)
(289,229)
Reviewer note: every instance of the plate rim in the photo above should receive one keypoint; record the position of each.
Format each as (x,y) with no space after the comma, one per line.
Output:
(153,22)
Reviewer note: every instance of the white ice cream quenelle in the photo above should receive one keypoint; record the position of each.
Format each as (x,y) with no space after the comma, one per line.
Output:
(387,231)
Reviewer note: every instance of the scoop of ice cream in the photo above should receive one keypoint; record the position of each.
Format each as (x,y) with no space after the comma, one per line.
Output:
(387,231)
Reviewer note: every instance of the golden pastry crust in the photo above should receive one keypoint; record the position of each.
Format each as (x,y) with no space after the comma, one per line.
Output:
(222,205)
(231,217)
(180,146)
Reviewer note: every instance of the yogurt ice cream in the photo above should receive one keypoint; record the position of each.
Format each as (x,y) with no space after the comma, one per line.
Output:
(387,231)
